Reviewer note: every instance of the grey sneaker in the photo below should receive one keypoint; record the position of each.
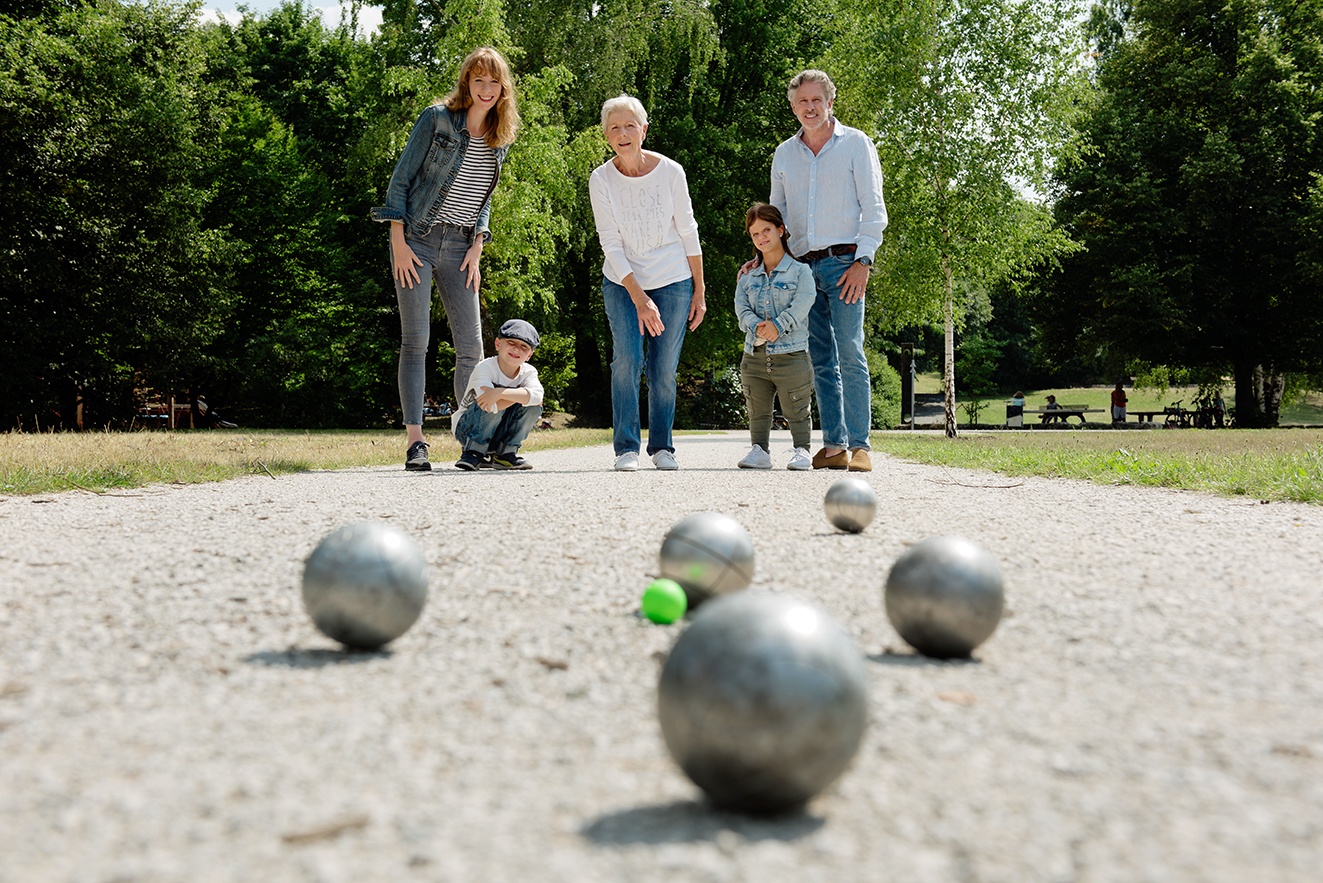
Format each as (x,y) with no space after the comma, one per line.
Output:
(665,461)
(757,458)
(628,462)
(416,460)
(800,460)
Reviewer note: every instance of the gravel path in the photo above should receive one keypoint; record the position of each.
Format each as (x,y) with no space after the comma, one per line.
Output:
(1151,709)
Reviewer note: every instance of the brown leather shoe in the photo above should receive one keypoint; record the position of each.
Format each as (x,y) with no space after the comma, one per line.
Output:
(823,460)
(860,461)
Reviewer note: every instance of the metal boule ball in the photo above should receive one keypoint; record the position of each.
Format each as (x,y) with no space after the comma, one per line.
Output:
(945,596)
(763,701)
(365,584)
(850,504)
(708,554)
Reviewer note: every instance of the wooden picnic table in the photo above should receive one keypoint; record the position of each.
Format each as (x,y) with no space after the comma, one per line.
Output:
(1062,412)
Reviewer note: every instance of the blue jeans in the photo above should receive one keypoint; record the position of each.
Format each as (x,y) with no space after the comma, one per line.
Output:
(441,251)
(499,433)
(840,370)
(660,361)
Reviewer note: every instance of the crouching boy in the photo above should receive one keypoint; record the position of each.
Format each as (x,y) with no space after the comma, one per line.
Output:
(503,402)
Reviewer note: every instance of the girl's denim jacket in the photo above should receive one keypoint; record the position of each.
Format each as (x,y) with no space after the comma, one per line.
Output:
(428,167)
(785,297)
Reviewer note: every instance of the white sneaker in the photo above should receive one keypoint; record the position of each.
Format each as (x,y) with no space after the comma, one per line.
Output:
(628,462)
(665,461)
(757,458)
(800,461)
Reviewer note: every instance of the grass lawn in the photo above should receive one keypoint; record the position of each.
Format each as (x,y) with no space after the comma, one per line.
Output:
(1307,412)
(37,463)
(1265,464)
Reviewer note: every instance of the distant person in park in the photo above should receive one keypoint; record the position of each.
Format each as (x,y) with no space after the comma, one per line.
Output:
(827,184)
(438,204)
(1119,401)
(502,403)
(652,279)
(1052,406)
(1219,410)
(772,303)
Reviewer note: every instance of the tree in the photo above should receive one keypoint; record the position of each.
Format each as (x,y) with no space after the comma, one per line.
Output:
(107,272)
(971,101)
(1195,194)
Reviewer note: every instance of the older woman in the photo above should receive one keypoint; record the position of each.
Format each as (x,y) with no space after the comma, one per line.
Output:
(438,205)
(652,278)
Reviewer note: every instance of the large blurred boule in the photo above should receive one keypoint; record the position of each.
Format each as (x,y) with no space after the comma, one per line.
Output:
(762,701)
(365,585)
(945,596)
(708,554)
(850,504)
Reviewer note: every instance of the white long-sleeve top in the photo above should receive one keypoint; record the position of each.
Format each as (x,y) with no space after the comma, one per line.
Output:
(646,225)
(488,373)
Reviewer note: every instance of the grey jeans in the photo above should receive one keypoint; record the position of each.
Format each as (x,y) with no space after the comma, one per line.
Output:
(790,375)
(441,251)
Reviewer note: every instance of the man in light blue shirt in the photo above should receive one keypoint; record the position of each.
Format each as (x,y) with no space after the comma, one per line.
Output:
(827,182)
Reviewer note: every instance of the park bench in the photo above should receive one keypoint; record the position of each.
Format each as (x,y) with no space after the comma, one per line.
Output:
(1061,413)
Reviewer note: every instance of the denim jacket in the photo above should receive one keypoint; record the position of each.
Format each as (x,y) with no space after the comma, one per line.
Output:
(428,166)
(785,297)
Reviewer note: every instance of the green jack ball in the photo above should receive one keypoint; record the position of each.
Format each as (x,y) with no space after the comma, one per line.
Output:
(664,601)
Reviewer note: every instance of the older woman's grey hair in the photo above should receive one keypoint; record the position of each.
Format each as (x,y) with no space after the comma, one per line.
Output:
(624,102)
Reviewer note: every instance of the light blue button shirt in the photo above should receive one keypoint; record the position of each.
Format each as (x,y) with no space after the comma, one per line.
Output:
(833,198)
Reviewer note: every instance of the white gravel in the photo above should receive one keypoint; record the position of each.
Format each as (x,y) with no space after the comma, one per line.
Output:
(1151,709)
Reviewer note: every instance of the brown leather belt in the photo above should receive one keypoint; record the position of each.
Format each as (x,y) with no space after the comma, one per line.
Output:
(834,250)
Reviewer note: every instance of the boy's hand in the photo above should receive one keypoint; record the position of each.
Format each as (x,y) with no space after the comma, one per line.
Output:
(489,400)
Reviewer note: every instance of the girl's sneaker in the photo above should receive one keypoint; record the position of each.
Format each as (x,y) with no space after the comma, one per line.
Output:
(800,461)
(628,462)
(757,458)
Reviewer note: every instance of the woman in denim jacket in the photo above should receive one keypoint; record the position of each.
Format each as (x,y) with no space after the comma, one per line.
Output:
(438,205)
(772,308)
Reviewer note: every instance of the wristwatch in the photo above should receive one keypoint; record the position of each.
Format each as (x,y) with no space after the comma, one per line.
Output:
(866,261)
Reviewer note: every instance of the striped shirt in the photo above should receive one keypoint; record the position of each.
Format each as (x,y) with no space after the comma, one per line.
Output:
(467,194)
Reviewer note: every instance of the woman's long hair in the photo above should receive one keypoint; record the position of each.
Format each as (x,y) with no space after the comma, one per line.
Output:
(486,61)
(761,211)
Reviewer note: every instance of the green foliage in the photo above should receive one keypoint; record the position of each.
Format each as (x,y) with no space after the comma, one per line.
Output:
(967,99)
(1194,194)
(714,400)
(885,391)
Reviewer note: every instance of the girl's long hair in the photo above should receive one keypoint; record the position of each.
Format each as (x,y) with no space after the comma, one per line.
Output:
(761,211)
(504,124)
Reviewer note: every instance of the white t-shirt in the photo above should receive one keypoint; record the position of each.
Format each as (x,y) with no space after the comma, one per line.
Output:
(488,373)
(646,225)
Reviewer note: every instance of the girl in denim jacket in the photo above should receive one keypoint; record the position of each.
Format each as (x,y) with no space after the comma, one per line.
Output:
(772,303)
(438,205)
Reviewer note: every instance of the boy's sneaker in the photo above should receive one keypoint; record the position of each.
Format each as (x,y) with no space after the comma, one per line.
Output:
(510,460)
(800,461)
(486,462)
(757,458)
(416,460)
(665,461)
(628,462)
(469,461)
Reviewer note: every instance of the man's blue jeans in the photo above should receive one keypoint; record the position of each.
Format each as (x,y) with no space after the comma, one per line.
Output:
(840,369)
(632,355)
(499,433)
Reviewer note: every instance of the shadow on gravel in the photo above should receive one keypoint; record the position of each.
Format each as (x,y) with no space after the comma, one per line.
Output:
(314,658)
(917,660)
(692,821)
